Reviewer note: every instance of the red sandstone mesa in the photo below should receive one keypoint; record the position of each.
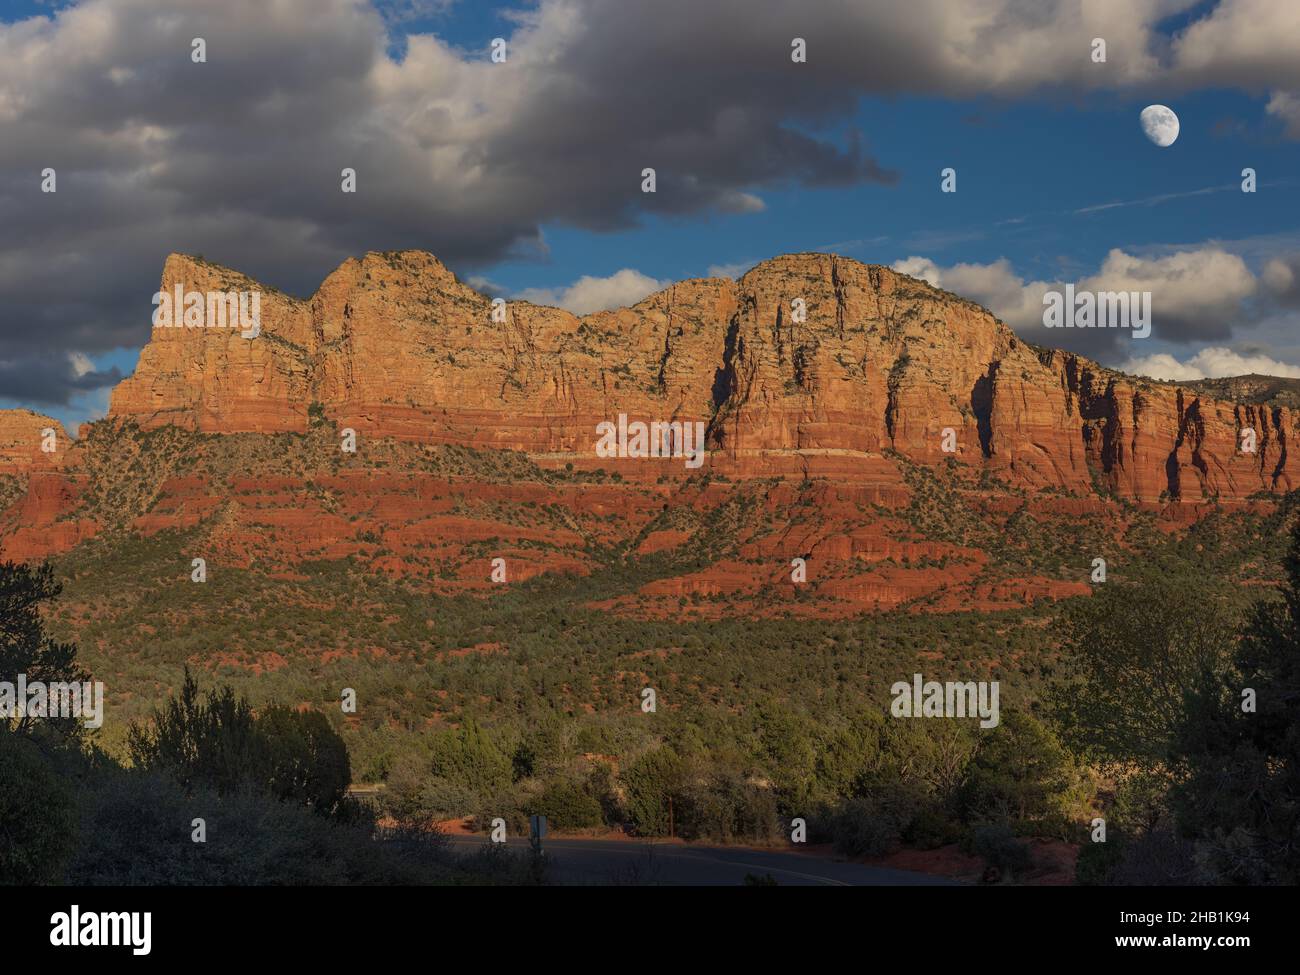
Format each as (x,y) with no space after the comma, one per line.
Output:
(394,346)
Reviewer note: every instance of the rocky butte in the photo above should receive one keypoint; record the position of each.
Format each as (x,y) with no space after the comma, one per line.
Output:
(393,345)
(850,396)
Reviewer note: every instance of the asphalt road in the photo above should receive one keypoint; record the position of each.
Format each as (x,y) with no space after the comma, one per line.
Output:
(632,862)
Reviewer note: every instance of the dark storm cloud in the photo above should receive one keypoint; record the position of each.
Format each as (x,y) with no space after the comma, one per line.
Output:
(1282,279)
(50,380)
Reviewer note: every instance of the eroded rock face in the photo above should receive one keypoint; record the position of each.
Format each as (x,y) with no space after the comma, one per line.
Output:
(213,379)
(393,345)
(24,435)
(824,387)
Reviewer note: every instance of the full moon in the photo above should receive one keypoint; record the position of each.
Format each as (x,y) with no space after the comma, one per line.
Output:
(1160,124)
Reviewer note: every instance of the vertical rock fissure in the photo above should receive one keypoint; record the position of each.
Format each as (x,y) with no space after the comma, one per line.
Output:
(1281,446)
(1173,476)
(839,296)
(660,381)
(724,377)
(891,404)
(981,404)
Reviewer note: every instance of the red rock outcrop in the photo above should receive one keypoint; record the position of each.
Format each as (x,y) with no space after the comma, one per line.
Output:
(809,364)
(42,520)
(24,439)
(825,387)
(214,379)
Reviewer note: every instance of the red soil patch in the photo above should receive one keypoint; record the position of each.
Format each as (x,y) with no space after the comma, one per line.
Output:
(1053,863)
(478,648)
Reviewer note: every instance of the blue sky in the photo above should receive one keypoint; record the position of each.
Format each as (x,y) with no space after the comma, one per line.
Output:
(1024,173)
(1037,161)
(1051,180)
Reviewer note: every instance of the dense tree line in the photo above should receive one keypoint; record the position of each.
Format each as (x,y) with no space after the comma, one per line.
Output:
(1191,707)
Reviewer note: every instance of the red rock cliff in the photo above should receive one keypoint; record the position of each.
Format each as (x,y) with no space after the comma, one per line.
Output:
(24,435)
(394,345)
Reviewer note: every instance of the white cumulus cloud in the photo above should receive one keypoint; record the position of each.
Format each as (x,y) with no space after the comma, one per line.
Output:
(591,294)
(1196,294)
(1215,362)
